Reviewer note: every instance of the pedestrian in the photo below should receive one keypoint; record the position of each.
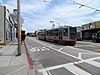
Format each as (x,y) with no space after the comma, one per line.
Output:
(93,38)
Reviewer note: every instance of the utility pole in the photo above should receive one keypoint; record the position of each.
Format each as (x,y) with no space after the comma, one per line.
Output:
(59,24)
(19,28)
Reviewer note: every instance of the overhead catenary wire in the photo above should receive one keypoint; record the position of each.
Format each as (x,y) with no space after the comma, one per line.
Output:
(85,5)
(82,5)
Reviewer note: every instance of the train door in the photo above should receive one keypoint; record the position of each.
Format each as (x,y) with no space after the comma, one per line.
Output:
(65,34)
(60,34)
(44,37)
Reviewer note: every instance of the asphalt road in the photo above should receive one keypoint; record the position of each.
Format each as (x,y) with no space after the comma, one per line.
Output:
(55,59)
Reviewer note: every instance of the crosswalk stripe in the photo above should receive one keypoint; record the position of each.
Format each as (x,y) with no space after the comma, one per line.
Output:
(75,70)
(94,63)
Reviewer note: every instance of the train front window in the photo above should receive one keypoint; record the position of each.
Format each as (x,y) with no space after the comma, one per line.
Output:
(72,32)
(66,32)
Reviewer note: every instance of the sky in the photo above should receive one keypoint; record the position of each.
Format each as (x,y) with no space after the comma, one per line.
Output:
(37,14)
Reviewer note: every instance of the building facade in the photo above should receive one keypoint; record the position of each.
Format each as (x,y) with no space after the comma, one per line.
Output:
(7,30)
(91,29)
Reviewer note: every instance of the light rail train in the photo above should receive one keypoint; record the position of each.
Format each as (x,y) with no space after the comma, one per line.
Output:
(63,35)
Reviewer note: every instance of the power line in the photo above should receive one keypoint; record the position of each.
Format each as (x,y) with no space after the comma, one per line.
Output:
(81,5)
(72,10)
(85,5)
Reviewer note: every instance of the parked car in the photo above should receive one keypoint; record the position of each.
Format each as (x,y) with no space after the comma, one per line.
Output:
(96,38)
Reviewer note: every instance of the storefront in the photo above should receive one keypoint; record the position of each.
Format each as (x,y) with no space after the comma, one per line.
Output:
(88,34)
(90,30)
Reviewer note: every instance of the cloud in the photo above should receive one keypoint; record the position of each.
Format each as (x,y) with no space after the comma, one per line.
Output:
(10,4)
(35,24)
(37,14)
(31,7)
(84,14)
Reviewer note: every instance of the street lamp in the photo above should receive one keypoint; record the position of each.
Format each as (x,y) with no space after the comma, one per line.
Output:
(52,22)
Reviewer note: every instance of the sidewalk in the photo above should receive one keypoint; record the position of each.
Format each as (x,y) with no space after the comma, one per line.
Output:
(1,46)
(87,43)
(12,65)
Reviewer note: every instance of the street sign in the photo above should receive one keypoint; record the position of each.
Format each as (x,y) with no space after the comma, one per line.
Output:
(14,17)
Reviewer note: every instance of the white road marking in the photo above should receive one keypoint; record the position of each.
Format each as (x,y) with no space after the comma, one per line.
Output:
(57,50)
(94,58)
(52,68)
(78,46)
(49,73)
(78,49)
(93,53)
(96,64)
(55,67)
(44,72)
(51,45)
(84,45)
(87,60)
(48,44)
(60,49)
(75,70)
(37,49)
(69,66)
(79,56)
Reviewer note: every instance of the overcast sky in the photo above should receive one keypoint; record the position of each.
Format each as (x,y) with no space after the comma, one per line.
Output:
(37,14)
